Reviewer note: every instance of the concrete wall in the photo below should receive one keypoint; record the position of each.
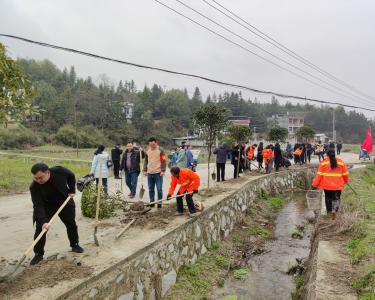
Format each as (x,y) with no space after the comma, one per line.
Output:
(150,272)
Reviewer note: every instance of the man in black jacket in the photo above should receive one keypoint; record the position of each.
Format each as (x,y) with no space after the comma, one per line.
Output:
(50,188)
(130,163)
(116,157)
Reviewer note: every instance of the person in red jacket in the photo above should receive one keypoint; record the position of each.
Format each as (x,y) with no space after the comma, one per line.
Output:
(331,177)
(189,182)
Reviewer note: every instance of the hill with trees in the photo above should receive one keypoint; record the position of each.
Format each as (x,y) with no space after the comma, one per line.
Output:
(67,102)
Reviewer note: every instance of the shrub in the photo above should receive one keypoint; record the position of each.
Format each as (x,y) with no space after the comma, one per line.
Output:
(88,203)
(88,136)
(19,137)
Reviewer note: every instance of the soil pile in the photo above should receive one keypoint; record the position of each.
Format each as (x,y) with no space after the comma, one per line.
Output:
(46,274)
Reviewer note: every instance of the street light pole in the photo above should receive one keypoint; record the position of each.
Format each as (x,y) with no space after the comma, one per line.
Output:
(333,126)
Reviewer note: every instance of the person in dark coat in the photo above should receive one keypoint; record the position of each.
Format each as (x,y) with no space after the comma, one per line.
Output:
(50,188)
(339,147)
(116,158)
(221,158)
(130,163)
(236,160)
(309,152)
(260,155)
(277,156)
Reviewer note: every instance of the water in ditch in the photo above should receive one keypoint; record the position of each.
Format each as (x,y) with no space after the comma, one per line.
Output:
(268,278)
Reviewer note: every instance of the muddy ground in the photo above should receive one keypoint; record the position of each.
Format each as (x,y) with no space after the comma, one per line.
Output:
(46,274)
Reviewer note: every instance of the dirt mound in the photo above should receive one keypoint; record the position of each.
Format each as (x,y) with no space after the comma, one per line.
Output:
(138,206)
(152,219)
(46,274)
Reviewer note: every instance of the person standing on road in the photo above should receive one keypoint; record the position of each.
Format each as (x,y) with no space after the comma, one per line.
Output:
(319,150)
(260,155)
(236,160)
(190,164)
(278,156)
(250,154)
(331,177)
(268,158)
(189,182)
(309,151)
(154,168)
(116,158)
(130,163)
(221,153)
(339,147)
(49,190)
(181,156)
(100,157)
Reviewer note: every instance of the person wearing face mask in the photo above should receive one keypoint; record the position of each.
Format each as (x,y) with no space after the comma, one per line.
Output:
(49,189)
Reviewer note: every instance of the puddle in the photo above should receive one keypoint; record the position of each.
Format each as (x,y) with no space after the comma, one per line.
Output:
(268,279)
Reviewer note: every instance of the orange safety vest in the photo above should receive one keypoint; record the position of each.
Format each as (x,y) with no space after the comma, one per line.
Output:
(250,153)
(267,155)
(188,180)
(298,152)
(331,179)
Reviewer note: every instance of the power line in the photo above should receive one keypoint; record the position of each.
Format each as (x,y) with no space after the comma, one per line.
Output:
(183,74)
(283,48)
(365,101)
(250,51)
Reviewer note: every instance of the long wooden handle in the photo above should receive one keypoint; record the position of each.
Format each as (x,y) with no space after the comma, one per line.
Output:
(49,223)
(163,200)
(99,193)
(124,229)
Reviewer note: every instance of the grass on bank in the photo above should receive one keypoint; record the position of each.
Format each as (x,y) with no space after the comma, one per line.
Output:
(225,259)
(361,246)
(15,176)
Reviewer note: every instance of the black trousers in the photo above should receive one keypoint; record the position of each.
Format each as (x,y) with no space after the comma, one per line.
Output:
(104,183)
(235,170)
(308,154)
(116,168)
(67,216)
(338,151)
(189,201)
(331,196)
(220,171)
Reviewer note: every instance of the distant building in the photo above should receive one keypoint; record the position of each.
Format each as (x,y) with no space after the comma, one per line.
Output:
(128,110)
(290,122)
(240,120)
(321,137)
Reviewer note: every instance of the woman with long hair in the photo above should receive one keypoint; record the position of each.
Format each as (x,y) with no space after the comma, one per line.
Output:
(100,158)
(278,156)
(331,177)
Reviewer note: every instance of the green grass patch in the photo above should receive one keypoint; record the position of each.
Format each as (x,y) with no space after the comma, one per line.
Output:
(298,282)
(276,203)
(15,175)
(240,274)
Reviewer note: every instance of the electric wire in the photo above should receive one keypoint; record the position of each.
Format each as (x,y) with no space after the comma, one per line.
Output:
(342,93)
(283,48)
(233,85)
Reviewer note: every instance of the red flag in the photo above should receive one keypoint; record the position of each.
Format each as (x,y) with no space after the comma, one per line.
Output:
(367,143)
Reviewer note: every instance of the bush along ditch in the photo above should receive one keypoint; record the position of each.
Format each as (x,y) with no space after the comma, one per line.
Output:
(229,258)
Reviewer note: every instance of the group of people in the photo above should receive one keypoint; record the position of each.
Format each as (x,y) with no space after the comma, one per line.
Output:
(244,156)
(51,187)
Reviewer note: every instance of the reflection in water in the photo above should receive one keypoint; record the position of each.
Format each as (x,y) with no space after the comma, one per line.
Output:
(268,279)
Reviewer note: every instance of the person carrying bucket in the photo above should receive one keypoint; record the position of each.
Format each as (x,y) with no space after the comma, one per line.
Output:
(331,177)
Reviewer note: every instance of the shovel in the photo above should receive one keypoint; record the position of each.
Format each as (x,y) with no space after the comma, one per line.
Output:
(142,190)
(98,204)
(35,241)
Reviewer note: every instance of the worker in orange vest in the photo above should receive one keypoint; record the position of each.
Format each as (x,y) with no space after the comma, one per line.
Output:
(251,154)
(297,155)
(268,158)
(331,177)
(189,182)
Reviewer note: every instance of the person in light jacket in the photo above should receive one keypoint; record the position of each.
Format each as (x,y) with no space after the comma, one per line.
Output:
(100,156)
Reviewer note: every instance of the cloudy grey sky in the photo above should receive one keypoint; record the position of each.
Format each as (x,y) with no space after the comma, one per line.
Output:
(337,35)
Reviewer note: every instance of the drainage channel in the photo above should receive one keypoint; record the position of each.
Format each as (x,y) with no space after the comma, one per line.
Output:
(269,277)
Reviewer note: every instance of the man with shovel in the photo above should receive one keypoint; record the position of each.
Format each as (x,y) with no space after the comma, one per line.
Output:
(50,188)
(189,182)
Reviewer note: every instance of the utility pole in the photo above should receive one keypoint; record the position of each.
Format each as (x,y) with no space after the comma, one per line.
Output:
(75,125)
(333,126)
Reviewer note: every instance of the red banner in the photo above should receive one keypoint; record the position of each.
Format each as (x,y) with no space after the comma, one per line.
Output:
(368,142)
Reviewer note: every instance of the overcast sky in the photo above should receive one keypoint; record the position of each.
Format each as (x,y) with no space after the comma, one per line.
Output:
(337,35)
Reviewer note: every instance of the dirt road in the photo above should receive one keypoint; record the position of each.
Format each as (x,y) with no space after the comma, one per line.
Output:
(16,228)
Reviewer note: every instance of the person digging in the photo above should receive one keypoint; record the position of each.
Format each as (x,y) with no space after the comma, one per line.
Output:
(49,189)
(190,183)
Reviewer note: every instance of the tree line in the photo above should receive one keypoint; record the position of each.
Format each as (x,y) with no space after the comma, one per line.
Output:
(66,102)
